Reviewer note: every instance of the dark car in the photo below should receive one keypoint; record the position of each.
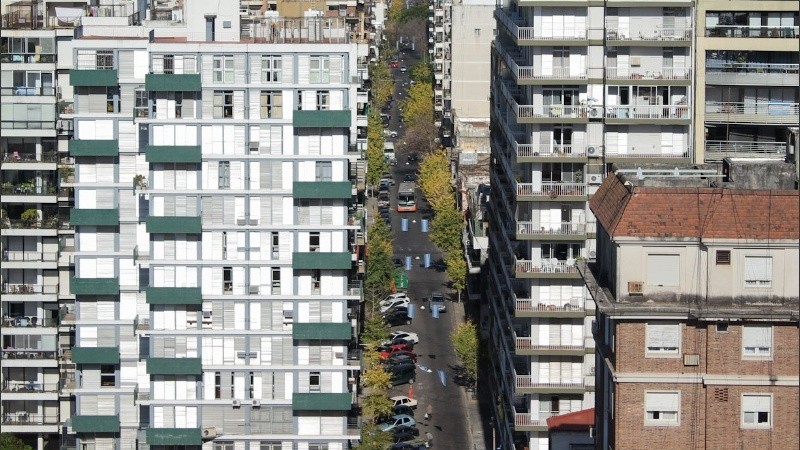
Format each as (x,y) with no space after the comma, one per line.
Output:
(383,197)
(406,446)
(409,177)
(399,359)
(404,374)
(395,309)
(413,156)
(414,431)
(395,318)
(397,263)
(404,409)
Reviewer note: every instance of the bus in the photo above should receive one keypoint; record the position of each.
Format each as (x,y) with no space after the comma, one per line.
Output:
(405,198)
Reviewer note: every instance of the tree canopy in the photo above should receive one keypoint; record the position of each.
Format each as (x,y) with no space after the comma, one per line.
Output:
(418,106)
(465,341)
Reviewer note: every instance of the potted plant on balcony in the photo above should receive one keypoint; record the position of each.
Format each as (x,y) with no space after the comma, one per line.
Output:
(67,174)
(30,217)
(579,176)
(4,222)
(140,182)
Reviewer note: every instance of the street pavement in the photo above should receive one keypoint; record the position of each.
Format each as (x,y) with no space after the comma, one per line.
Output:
(453,410)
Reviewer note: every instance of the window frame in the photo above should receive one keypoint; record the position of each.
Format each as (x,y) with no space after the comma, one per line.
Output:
(221,108)
(271,103)
(104,60)
(323,171)
(755,424)
(323,100)
(321,74)
(662,352)
(224,175)
(658,422)
(755,283)
(222,69)
(755,354)
(108,379)
(271,69)
(227,280)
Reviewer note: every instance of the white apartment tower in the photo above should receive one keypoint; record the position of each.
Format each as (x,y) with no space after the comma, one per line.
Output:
(576,86)
(215,299)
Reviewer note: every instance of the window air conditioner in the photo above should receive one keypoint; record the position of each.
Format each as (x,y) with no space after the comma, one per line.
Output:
(253,145)
(691,360)
(256,403)
(595,178)
(593,151)
(209,433)
(635,287)
(236,403)
(254,290)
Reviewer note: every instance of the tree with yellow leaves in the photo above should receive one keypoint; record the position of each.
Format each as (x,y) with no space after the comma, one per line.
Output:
(418,107)
(434,180)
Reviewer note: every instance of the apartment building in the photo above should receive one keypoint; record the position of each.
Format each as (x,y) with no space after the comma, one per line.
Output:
(575,87)
(215,288)
(697,314)
(439,48)
(35,239)
(747,79)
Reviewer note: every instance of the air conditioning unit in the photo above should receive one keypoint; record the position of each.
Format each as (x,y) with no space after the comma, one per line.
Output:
(338,355)
(253,145)
(209,433)
(256,403)
(241,222)
(636,61)
(635,287)
(592,254)
(254,290)
(691,360)
(236,403)
(596,112)
(595,178)
(593,151)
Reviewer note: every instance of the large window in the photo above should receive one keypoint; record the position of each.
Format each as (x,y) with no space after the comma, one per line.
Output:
(324,171)
(224,174)
(758,271)
(223,69)
(757,341)
(323,100)
(271,69)
(271,104)
(662,408)
(756,411)
(104,60)
(663,270)
(662,339)
(320,69)
(223,104)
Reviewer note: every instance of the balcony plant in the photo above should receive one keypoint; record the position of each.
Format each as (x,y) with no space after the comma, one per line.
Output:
(30,217)
(579,176)
(139,182)
(67,174)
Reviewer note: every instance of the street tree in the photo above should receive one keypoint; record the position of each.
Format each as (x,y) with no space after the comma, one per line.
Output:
(465,341)
(434,180)
(382,84)
(376,405)
(372,438)
(375,332)
(446,230)
(421,71)
(10,441)
(376,379)
(456,271)
(422,138)
(418,106)
(380,269)
(376,163)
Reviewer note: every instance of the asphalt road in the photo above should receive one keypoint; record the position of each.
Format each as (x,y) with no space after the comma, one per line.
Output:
(449,423)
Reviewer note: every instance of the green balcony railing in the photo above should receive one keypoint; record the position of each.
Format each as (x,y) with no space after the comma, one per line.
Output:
(95,355)
(95,424)
(182,224)
(320,401)
(321,119)
(94,147)
(174,366)
(322,331)
(94,217)
(173,154)
(322,189)
(94,286)
(89,78)
(174,296)
(321,260)
(173,436)
(172,82)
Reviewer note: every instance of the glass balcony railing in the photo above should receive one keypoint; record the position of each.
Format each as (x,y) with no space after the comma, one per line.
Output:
(29,386)
(28,91)
(747,31)
(13,156)
(28,418)
(753,112)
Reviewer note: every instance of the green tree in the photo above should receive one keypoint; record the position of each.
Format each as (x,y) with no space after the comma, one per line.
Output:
(418,107)
(379,264)
(434,180)
(375,331)
(376,405)
(446,230)
(457,271)
(10,441)
(376,379)
(382,84)
(465,341)
(421,71)
(372,438)
(376,164)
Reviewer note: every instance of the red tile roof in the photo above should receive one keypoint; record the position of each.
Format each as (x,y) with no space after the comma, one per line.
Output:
(577,420)
(700,212)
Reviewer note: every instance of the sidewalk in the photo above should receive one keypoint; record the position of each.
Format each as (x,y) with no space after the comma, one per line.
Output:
(474,420)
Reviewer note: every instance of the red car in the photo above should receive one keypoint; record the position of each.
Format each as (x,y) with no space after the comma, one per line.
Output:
(388,354)
(396,347)
(393,64)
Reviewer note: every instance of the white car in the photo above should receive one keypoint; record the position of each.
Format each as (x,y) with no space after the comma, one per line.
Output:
(403,400)
(390,133)
(383,307)
(395,296)
(407,335)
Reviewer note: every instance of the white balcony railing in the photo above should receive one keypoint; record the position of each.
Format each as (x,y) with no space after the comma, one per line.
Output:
(752,112)
(721,149)
(657,152)
(660,73)
(528,343)
(759,74)
(648,112)
(550,189)
(545,266)
(530,305)
(540,419)
(527,381)
(556,111)
(554,149)
(615,33)
(16,256)
(533,228)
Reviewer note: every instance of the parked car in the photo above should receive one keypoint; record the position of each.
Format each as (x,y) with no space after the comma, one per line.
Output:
(395,296)
(387,181)
(387,305)
(388,354)
(437,298)
(408,177)
(412,429)
(396,347)
(383,198)
(398,359)
(404,400)
(390,133)
(394,64)
(397,317)
(413,157)
(403,69)
(395,421)
(397,263)
(398,341)
(404,436)
(403,375)
(407,335)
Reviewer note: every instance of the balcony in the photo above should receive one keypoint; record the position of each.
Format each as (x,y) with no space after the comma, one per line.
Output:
(93,77)
(651,77)
(174,366)
(322,331)
(550,190)
(37,356)
(173,154)
(756,113)
(28,91)
(546,269)
(28,190)
(527,346)
(563,231)
(25,160)
(322,189)
(174,296)
(654,155)
(170,225)
(95,355)
(526,384)
(94,217)
(187,82)
(746,31)
(540,75)
(321,401)
(717,150)
(28,289)
(94,286)
(322,260)
(321,119)
(95,424)
(752,74)
(27,322)
(525,35)
(648,114)
(534,421)
(25,418)
(174,436)
(538,308)
(659,37)
(92,147)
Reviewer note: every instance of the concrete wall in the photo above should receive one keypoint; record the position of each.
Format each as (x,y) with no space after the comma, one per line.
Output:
(473,27)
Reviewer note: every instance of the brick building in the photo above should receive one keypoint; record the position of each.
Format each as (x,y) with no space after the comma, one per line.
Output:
(697,316)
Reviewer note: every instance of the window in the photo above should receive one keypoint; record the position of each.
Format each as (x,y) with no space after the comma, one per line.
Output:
(271,104)
(313,241)
(313,382)
(169,63)
(757,341)
(758,271)
(112,99)
(223,446)
(271,69)
(276,253)
(323,100)
(661,408)
(223,69)
(224,245)
(723,257)
(251,388)
(276,281)
(217,385)
(756,411)
(324,171)
(104,60)
(140,109)
(178,105)
(108,376)
(722,327)
(227,279)
(662,270)
(224,174)
(87,444)
(223,104)
(271,445)
(663,339)
(317,446)
(477,31)
(320,69)
(316,281)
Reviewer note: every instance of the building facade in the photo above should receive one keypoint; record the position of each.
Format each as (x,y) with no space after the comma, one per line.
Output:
(697,316)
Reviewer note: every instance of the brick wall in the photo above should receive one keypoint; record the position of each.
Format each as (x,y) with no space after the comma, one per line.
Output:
(630,348)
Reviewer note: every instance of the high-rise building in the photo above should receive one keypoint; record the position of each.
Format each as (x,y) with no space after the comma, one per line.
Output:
(216,229)
(36,240)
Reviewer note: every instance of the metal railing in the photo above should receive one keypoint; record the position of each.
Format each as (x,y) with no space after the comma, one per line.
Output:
(648,112)
(18,57)
(47,223)
(27,124)
(531,228)
(28,91)
(527,381)
(744,148)
(657,34)
(554,149)
(747,31)
(753,112)
(27,189)
(575,304)
(29,386)
(30,322)
(28,418)
(544,266)
(550,189)
(31,353)
(15,255)
(29,157)
(527,343)
(660,73)
(295,31)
